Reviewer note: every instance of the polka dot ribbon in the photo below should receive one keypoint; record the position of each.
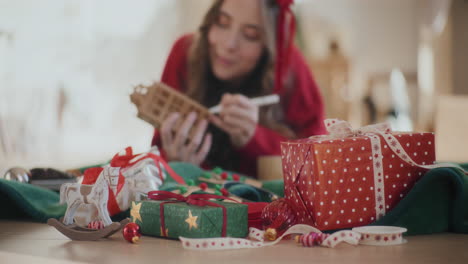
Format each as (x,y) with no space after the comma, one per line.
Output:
(342,129)
(256,239)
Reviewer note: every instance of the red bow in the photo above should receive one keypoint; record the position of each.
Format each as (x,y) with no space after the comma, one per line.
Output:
(284,36)
(193,199)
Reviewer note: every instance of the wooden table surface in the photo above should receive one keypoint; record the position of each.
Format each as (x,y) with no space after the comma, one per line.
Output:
(26,242)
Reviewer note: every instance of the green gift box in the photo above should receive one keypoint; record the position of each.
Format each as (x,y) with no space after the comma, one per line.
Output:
(192,221)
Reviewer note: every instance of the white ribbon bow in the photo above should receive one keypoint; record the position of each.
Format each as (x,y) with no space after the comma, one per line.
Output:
(339,128)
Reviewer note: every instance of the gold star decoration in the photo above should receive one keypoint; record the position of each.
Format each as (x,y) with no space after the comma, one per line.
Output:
(191,220)
(135,212)
(161,231)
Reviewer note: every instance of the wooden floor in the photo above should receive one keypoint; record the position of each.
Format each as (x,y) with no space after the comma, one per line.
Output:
(24,242)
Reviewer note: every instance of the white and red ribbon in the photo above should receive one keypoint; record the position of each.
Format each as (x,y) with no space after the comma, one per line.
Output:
(341,129)
(256,239)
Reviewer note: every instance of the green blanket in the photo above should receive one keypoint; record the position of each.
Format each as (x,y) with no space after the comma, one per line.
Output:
(437,203)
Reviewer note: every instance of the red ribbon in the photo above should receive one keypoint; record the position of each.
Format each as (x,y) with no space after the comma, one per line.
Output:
(193,199)
(284,37)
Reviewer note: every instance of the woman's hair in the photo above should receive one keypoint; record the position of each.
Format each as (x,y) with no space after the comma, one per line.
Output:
(205,88)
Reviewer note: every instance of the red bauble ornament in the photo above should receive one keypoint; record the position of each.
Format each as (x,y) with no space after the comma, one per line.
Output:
(131,232)
(224,175)
(277,217)
(224,192)
(236,177)
(203,186)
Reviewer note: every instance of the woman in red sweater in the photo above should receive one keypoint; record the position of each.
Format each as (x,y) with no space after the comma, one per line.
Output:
(242,50)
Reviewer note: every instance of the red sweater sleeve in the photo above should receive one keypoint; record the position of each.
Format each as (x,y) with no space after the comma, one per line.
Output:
(175,73)
(303,111)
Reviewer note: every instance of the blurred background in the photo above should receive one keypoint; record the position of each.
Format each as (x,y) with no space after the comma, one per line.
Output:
(67,68)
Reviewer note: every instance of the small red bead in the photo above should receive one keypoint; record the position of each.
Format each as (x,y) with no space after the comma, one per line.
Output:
(203,185)
(224,175)
(224,192)
(236,177)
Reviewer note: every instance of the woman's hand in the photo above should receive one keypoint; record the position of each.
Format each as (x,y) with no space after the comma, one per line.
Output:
(178,146)
(238,118)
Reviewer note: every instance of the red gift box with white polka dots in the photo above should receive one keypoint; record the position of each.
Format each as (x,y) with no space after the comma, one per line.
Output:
(342,183)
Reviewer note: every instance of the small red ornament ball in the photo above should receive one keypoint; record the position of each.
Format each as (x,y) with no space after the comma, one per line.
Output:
(203,186)
(224,175)
(236,177)
(131,232)
(224,192)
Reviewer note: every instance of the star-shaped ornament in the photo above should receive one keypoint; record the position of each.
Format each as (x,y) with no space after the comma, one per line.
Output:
(161,231)
(191,220)
(135,212)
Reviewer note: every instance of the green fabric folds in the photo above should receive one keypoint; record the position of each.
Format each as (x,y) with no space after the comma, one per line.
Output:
(20,200)
(437,203)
